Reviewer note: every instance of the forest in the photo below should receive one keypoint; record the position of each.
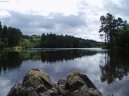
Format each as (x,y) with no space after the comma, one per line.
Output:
(115,31)
(12,37)
(60,41)
(9,37)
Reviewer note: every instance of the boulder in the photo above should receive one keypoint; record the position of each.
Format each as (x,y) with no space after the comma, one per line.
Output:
(35,83)
(38,83)
(78,84)
(36,78)
(19,90)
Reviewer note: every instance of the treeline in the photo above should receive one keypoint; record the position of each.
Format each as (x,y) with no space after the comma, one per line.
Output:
(9,37)
(12,37)
(60,41)
(56,41)
(30,41)
(115,31)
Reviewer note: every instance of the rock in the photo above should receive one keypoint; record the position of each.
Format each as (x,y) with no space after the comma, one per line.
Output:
(19,90)
(36,77)
(38,83)
(61,86)
(35,83)
(31,92)
(16,90)
(79,85)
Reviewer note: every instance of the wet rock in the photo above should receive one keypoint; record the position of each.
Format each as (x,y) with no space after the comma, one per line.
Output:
(38,83)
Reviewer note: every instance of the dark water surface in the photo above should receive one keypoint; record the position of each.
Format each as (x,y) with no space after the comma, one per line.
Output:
(107,70)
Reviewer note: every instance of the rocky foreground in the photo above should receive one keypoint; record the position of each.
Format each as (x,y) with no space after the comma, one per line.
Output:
(38,83)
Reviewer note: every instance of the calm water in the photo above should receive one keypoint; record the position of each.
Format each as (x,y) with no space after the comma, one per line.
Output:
(107,70)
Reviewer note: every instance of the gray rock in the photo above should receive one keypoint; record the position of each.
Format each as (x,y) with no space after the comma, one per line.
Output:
(19,90)
(38,83)
(36,77)
(79,85)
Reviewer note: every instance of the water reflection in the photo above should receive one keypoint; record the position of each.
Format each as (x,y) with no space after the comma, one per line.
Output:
(64,55)
(57,63)
(102,67)
(116,66)
(10,60)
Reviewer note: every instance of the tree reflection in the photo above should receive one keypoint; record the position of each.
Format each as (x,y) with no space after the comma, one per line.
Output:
(116,66)
(9,60)
(64,55)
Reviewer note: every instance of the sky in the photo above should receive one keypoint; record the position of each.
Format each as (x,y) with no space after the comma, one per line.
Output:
(79,18)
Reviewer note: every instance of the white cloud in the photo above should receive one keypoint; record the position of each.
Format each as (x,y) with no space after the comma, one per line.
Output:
(41,6)
(4,14)
(73,17)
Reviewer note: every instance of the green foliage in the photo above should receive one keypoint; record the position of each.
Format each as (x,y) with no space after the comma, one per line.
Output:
(12,37)
(30,41)
(9,37)
(60,41)
(115,31)
(25,43)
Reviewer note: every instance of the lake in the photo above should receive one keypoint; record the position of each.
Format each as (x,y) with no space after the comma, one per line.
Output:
(109,71)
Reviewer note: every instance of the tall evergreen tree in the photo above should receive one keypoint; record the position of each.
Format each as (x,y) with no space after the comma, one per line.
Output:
(9,37)
(110,27)
(1,43)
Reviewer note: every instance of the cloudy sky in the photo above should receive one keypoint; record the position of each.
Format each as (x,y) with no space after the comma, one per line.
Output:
(79,18)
